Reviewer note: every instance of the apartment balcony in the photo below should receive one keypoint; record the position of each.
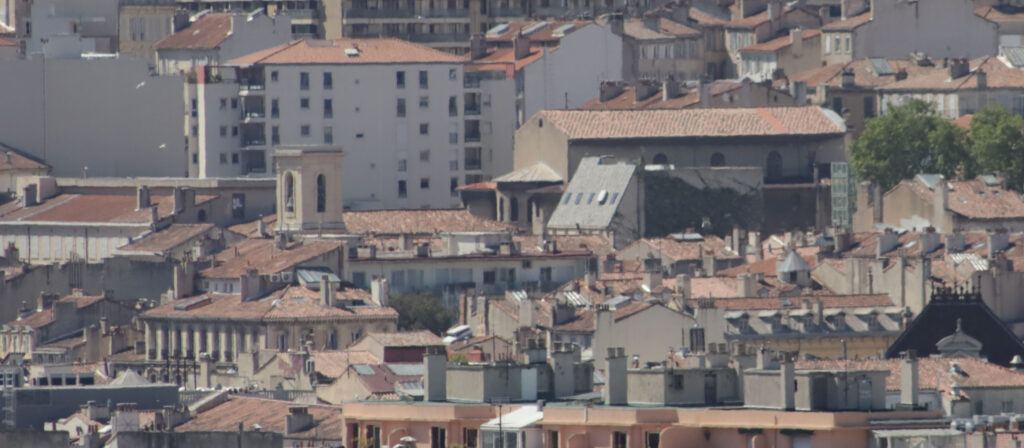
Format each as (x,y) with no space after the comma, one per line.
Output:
(472,109)
(473,164)
(472,137)
(250,88)
(254,143)
(404,13)
(253,116)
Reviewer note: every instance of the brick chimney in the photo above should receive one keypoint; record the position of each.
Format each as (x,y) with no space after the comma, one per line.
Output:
(796,41)
(478,45)
(142,198)
(521,45)
(298,419)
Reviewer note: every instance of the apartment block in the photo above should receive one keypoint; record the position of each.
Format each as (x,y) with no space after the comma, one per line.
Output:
(392,106)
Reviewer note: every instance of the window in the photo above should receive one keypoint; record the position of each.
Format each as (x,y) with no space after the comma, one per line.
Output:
(223,103)
(234,158)
(275,136)
(401,165)
(424,128)
(453,106)
(425,155)
(568,197)
(332,340)
(469,437)
(304,130)
(303,80)
(289,192)
(438,437)
(400,80)
(835,43)
(579,197)
(321,193)
(653,440)
(453,75)
(304,103)
(697,339)
(234,131)
(273,76)
(372,431)
(400,107)
(489,277)
(402,191)
(425,183)
(869,106)
(453,186)
(282,342)
(424,102)
(328,108)
(619,440)
(847,43)
(234,103)
(552,439)
(614,197)
(828,45)
(1007,406)
(275,111)
(423,79)
(223,158)
(590,198)
(718,159)
(328,135)
(223,131)
(328,81)
(837,105)
(660,159)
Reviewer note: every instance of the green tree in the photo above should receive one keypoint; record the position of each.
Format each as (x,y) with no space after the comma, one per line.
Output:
(910,139)
(997,143)
(423,312)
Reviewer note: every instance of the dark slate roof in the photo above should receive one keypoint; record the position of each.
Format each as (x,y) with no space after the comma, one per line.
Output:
(593,195)
(938,319)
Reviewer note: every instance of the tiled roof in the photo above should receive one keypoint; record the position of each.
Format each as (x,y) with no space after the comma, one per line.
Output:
(422,338)
(14,160)
(538,172)
(750,21)
(541,34)
(270,415)
(264,256)
(865,71)
(287,303)
(780,42)
(370,51)
(500,58)
(98,208)
(168,238)
(972,199)
(633,308)
(249,229)
(964,121)
(768,266)
(778,303)
(333,363)
(627,99)
(394,222)
(667,29)
(676,250)
(933,373)
(583,323)
(998,75)
(206,33)
(705,19)
(479,186)
(849,23)
(761,121)
(1002,14)
(46,317)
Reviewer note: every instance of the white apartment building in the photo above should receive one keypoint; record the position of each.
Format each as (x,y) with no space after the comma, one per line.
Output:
(393,107)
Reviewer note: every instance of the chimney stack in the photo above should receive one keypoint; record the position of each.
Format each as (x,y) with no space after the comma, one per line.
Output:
(142,198)
(958,67)
(670,88)
(981,78)
(909,379)
(326,291)
(955,242)
(563,367)
(610,89)
(788,379)
(478,45)
(298,419)
(521,45)
(379,291)
(796,39)
(435,374)
(616,378)
(998,241)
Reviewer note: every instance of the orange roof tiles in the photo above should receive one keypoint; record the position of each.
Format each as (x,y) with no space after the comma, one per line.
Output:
(676,250)
(46,317)
(667,29)
(781,42)
(750,21)
(393,222)
(270,415)
(371,51)
(849,23)
(168,238)
(933,373)
(828,301)
(616,124)
(207,32)
(973,199)
(90,208)
(422,338)
(292,302)
(704,19)
(964,121)
(500,58)
(334,363)
(998,75)
(263,256)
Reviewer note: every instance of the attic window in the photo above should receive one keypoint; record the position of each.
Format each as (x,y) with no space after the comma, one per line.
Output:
(540,122)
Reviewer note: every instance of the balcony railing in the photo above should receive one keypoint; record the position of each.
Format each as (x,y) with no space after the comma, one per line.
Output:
(472,137)
(473,164)
(250,86)
(253,114)
(404,13)
(507,12)
(253,142)
(472,109)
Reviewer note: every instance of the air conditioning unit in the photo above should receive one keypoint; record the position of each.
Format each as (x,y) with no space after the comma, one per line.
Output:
(275,278)
(286,277)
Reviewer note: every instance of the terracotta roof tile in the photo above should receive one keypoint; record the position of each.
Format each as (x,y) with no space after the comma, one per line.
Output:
(91,208)
(849,23)
(264,256)
(583,323)
(667,30)
(973,199)
(287,303)
(207,32)
(501,58)
(781,42)
(933,373)
(616,124)
(334,363)
(676,250)
(371,51)
(998,75)
(689,97)
(422,338)
(705,19)
(169,238)
(271,415)
(750,21)
(45,317)
(632,308)
(394,222)
(829,301)
(13,160)
(964,121)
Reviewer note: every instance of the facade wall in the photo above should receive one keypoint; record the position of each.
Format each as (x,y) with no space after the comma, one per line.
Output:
(248,35)
(140,27)
(64,112)
(648,334)
(94,21)
(947,28)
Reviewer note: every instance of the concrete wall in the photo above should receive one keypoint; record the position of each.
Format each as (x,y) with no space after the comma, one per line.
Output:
(35,406)
(93,20)
(142,26)
(67,113)
(34,438)
(947,28)
(248,35)
(648,334)
(197,439)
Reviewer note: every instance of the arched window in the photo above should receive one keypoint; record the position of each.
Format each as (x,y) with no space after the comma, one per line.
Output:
(321,193)
(773,170)
(660,159)
(289,193)
(201,216)
(513,212)
(718,159)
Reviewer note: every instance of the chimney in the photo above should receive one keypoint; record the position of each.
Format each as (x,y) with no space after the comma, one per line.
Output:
(680,11)
(526,315)
(28,195)
(909,378)
(705,94)
(887,241)
(798,90)
(261,227)
(521,45)
(683,286)
(45,301)
(796,39)
(774,11)
(849,80)
(817,312)
(652,22)
(435,374)
(616,378)
(644,89)
(179,199)
(755,242)
(998,241)
(652,279)
(478,45)
(981,78)
(142,197)
(941,202)
(746,285)
(958,67)
(11,254)
(929,241)
(708,264)
(610,89)
(298,419)
(955,242)
(404,242)
(788,379)
(379,291)
(670,89)
(126,419)
(563,365)
(249,285)
(326,291)
(281,241)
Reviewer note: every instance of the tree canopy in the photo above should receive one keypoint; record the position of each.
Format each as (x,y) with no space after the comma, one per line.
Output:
(997,143)
(423,312)
(910,139)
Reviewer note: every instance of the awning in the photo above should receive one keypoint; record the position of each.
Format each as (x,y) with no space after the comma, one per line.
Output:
(517,419)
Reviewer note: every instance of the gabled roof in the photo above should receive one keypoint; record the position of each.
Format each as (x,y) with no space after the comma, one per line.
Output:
(97,208)
(168,238)
(939,319)
(264,256)
(40,319)
(349,51)
(682,123)
(676,250)
(269,415)
(538,172)
(998,75)
(972,199)
(781,42)
(206,33)
(593,195)
(850,23)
